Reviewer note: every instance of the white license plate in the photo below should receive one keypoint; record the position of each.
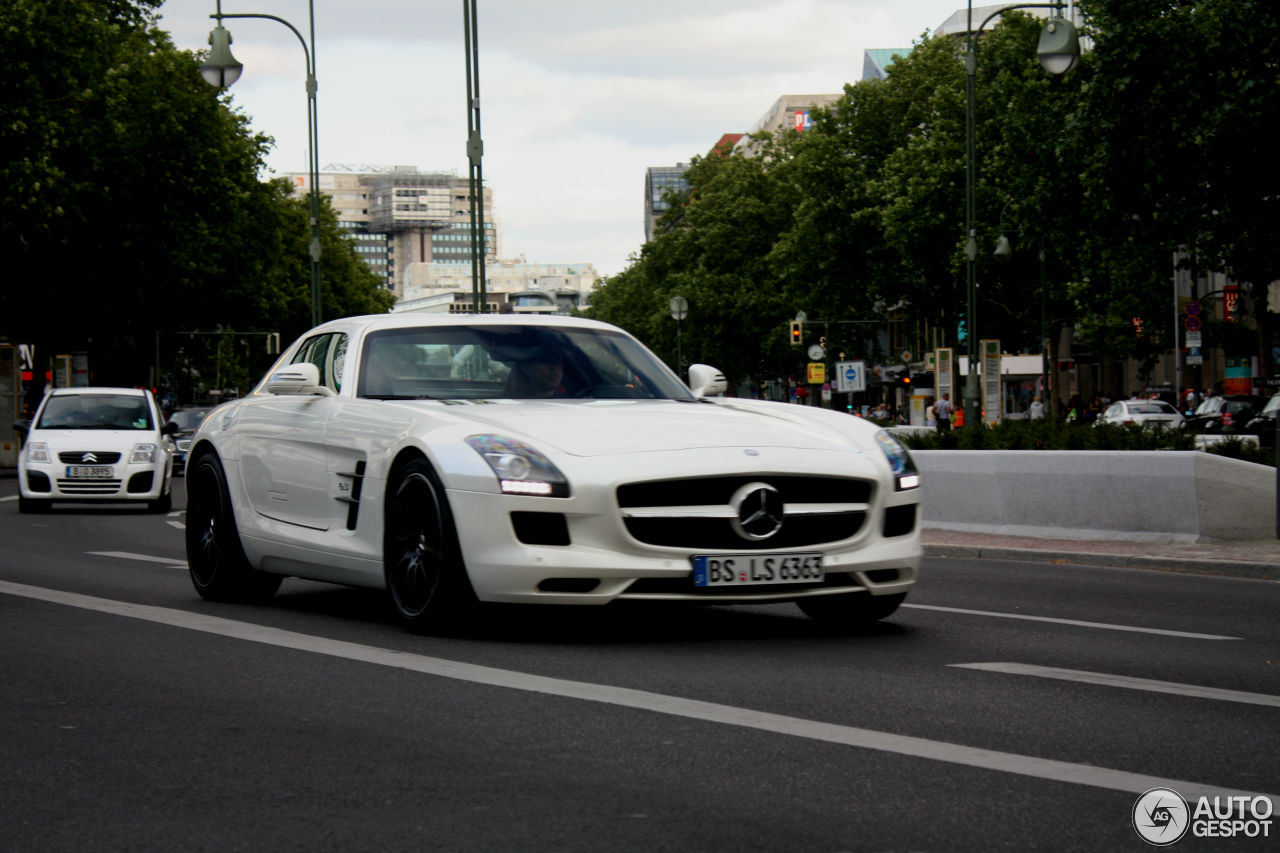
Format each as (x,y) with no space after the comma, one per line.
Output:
(756,569)
(84,472)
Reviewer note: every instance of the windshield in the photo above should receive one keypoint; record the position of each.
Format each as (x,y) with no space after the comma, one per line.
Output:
(481,362)
(95,411)
(1273,406)
(188,419)
(1211,406)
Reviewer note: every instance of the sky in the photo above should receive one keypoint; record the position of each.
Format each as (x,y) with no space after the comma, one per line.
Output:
(577,97)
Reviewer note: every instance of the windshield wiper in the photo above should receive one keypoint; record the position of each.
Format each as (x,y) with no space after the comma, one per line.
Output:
(397,397)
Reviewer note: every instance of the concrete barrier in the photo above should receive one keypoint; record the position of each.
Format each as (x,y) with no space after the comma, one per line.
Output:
(1140,496)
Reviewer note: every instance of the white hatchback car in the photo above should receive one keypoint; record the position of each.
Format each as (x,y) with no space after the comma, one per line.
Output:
(455,459)
(94,445)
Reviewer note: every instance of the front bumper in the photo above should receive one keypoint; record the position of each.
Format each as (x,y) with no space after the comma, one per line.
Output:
(128,482)
(601,562)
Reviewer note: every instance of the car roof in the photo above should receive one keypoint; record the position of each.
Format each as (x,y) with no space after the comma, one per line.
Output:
(407,319)
(91,389)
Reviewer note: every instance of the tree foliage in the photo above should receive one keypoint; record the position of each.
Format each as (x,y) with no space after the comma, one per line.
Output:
(130,201)
(1157,141)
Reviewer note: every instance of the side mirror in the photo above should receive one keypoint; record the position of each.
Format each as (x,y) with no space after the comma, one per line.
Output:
(301,378)
(22,426)
(706,381)
(170,428)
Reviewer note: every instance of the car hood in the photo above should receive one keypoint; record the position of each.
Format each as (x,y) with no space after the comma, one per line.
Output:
(605,427)
(94,438)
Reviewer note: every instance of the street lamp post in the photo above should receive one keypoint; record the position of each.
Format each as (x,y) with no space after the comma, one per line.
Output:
(221,69)
(1059,50)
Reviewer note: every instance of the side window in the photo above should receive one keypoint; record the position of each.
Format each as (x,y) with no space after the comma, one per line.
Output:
(328,353)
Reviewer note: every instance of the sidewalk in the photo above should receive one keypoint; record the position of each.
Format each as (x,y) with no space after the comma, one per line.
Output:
(1256,558)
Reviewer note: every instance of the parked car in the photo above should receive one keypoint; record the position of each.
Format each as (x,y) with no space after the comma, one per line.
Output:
(187,421)
(1224,415)
(1154,414)
(1263,425)
(455,459)
(96,444)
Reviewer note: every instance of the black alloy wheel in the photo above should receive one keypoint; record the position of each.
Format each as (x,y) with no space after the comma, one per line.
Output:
(219,569)
(426,580)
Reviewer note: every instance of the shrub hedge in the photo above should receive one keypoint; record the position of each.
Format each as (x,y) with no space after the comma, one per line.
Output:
(1053,435)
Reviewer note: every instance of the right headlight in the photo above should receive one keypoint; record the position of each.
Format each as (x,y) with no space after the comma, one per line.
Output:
(905,475)
(37,451)
(520,469)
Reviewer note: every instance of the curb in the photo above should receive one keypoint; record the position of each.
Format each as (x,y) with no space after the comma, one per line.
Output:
(1194,565)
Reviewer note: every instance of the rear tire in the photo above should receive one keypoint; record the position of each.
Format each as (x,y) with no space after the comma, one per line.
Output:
(426,580)
(219,569)
(851,610)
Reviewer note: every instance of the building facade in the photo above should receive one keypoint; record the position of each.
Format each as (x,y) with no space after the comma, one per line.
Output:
(399,216)
(511,286)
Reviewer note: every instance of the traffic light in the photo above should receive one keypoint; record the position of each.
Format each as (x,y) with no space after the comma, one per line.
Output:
(797,333)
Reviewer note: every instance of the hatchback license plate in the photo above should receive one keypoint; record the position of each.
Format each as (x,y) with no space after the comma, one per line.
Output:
(83,472)
(756,569)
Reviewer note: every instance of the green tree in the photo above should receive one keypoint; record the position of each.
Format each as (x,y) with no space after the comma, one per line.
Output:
(1179,114)
(130,201)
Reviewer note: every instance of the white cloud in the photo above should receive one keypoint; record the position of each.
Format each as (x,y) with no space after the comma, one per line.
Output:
(578,97)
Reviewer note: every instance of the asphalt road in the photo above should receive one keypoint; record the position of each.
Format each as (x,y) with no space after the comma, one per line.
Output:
(1012,706)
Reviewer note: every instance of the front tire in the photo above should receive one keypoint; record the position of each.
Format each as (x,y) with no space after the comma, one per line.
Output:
(851,610)
(164,503)
(33,505)
(219,569)
(426,580)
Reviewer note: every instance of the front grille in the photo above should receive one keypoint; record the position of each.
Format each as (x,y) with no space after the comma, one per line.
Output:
(695,513)
(89,487)
(76,457)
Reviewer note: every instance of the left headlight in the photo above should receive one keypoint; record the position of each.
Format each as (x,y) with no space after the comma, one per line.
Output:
(520,469)
(905,475)
(142,454)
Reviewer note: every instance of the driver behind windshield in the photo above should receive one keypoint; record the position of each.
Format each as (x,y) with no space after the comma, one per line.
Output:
(539,376)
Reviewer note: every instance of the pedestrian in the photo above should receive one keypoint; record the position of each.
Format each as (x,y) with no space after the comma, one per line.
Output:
(1036,410)
(943,411)
(957,418)
(930,413)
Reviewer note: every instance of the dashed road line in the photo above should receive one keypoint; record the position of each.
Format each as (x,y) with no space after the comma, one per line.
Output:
(1076,622)
(1128,682)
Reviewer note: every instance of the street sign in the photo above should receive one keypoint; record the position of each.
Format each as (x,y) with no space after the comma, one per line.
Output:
(817,373)
(679,308)
(851,376)
(1192,323)
(1193,308)
(1193,339)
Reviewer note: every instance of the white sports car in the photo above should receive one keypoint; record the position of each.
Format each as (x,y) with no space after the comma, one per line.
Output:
(456,459)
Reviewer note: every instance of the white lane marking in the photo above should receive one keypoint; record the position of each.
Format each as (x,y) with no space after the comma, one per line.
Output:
(146,558)
(985,759)
(178,514)
(1109,680)
(9,498)
(1105,625)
